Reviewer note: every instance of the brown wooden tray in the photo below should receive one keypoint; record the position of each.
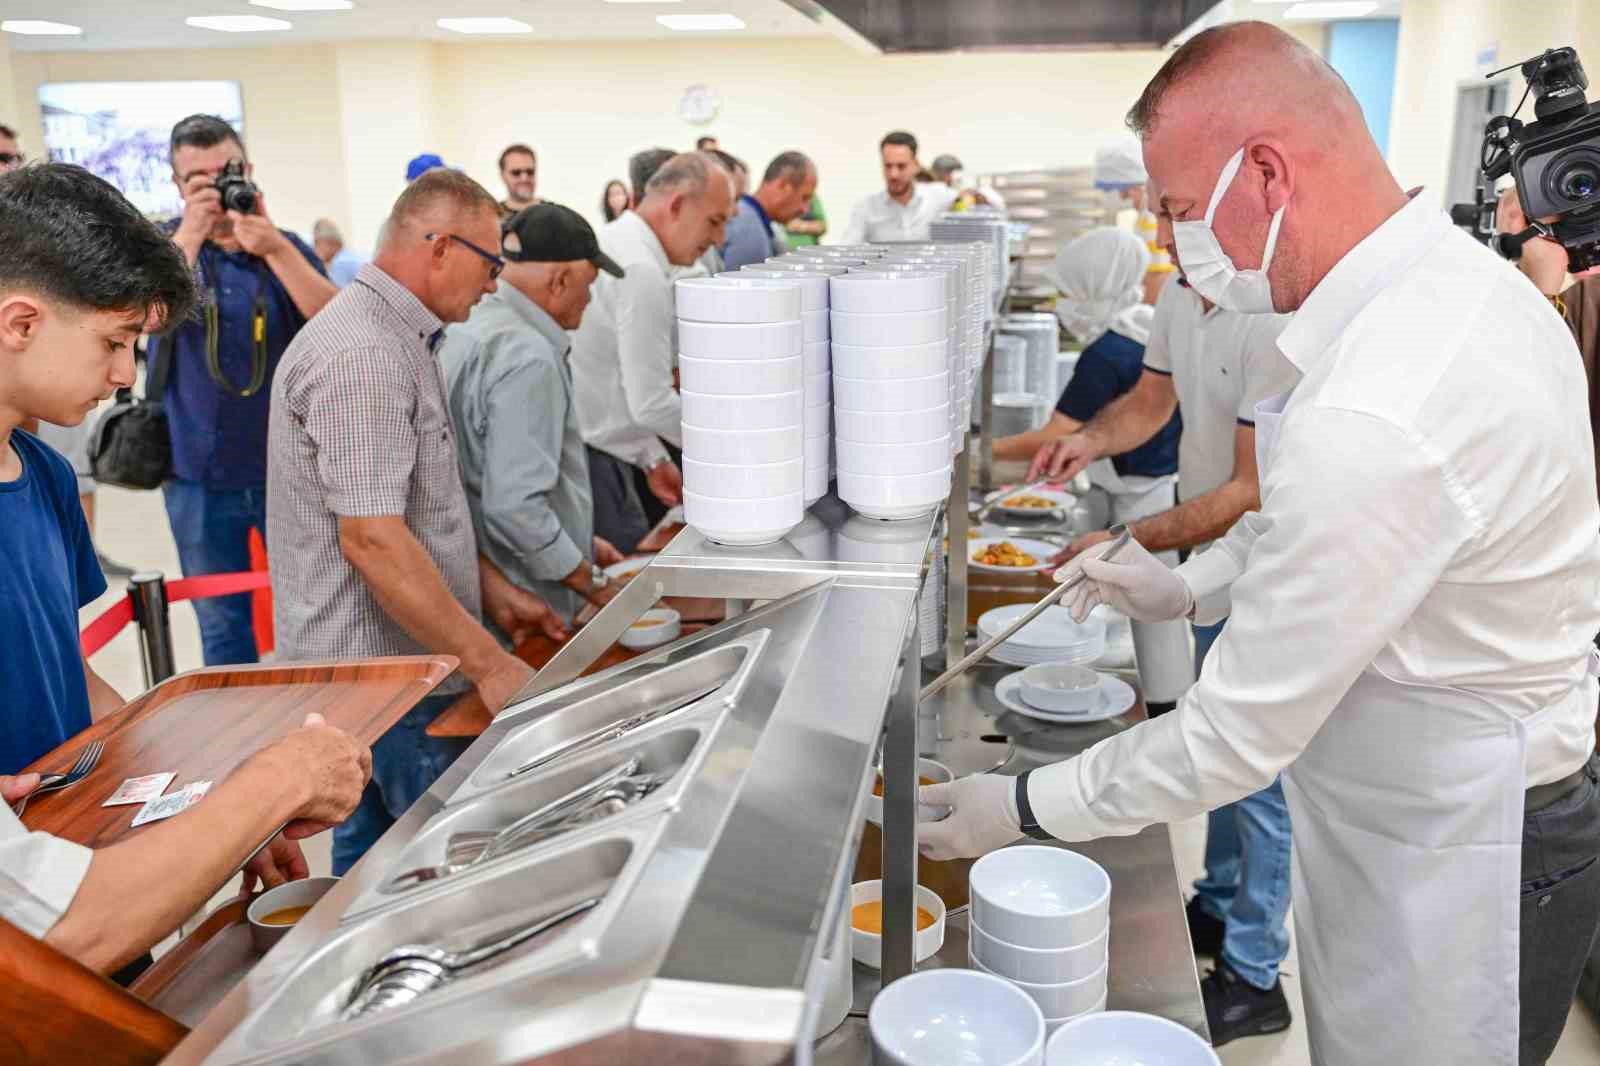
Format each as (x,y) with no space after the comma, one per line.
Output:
(202,724)
(201,969)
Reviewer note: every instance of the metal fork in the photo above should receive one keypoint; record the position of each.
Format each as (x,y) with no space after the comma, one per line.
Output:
(88,759)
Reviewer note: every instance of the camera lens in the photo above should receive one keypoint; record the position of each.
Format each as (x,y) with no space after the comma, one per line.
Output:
(1579,183)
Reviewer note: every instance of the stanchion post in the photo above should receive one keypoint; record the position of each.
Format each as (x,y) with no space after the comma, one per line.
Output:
(148,591)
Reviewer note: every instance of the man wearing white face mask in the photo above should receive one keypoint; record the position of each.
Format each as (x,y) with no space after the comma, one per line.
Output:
(1412,607)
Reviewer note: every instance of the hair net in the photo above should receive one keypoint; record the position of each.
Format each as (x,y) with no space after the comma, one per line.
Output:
(1100,276)
(1119,163)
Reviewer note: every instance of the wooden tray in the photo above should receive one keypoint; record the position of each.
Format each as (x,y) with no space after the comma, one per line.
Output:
(201,969)
(202,724)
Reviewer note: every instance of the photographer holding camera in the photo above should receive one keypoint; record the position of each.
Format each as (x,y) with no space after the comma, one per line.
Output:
(261,285)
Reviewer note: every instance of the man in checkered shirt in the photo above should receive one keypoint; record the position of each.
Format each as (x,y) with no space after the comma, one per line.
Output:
(372,544)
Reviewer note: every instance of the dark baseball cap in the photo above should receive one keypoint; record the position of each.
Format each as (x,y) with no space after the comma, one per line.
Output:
(550,233)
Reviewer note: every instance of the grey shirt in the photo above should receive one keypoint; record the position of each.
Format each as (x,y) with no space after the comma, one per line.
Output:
(359,429)
(523,461)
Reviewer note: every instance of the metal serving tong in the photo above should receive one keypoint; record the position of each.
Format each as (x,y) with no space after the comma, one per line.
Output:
(607,733)
(1122,534)
(415,969)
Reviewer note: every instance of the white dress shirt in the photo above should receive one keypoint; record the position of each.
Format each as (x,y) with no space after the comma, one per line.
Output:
(623,353)
(1428,508)
(39,875)
(880,218)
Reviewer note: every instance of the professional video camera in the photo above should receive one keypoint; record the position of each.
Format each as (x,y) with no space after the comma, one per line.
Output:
(239,193)
(1555,160)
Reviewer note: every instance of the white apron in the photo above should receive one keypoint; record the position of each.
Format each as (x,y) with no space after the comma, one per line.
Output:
(1407,815)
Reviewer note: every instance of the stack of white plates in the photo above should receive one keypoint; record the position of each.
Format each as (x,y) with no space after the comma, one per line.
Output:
(1041,918)
(891,385)
(1053,637)
(742,369)
(1042,334)
(817,365)
(989,226)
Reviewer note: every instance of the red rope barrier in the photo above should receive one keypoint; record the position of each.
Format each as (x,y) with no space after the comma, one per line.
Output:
(99,633)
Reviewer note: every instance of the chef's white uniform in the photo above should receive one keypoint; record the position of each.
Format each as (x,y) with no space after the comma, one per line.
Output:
(1412,617)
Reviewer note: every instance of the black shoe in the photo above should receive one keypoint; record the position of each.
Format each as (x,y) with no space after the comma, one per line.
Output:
(1235,1008)
(1205,932)
(112,568)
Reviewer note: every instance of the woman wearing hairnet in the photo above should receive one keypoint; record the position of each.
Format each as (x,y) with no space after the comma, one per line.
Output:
(1119,170)
(1100,276)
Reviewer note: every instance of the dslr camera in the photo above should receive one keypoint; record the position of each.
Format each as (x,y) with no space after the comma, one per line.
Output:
(1554,159)
(239,193)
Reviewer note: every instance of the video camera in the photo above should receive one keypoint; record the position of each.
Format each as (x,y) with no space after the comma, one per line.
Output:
(1555,161)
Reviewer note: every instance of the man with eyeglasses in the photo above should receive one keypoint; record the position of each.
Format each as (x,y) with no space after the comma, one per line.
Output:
(373,551)
(519,169)
(11,156)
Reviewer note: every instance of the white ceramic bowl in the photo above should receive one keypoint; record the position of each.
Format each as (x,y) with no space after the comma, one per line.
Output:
(894,459)
(1063,687)
(1121,1036)
(899,427)
(800,265)
(818,389)
(302,893)
(761,481)
(813,288)
(865,248)
(907,394)
(1058,1001)
(894,498)
(657,626)
(773,411)
(735,300)
(1043,966)
(1044,897)
(816,482)
(817,420)
(887,292)
(841,259)
(815,327)
(818,357)
(736,446)
(741,377)
(914,361)
(722,340)
(956,1017)
(868,947)
(1051,1025)
(926,812)
(743,522)
(891,329)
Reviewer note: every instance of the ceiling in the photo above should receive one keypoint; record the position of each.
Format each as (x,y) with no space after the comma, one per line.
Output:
(114,24)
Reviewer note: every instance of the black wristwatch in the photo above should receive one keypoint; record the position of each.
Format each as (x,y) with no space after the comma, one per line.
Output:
(1030,824)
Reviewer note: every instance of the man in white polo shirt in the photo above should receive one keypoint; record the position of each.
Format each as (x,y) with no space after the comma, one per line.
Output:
(906,207)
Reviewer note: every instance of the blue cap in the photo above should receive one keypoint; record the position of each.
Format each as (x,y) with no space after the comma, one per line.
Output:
(421,165)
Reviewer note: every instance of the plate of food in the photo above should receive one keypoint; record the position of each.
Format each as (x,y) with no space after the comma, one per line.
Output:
(1010,554)
(630,565)
(1035,503)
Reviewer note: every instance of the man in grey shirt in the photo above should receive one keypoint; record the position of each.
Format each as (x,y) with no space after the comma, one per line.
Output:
(523,461)
(754,231)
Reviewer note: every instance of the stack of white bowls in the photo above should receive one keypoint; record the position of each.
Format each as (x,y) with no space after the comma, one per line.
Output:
(953,326)
(1041,918)
(891,386)
(817,365)
(742,370)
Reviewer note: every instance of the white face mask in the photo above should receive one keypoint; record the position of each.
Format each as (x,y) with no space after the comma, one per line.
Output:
(1209,270)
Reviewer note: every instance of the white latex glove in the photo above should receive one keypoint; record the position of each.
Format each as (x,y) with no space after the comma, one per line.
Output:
(983,816)
(1137,584)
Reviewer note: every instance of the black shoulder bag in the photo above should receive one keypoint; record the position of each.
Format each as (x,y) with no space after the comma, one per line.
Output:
(131,446)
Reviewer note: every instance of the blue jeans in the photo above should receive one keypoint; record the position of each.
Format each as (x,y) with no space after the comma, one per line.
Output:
(1247,870)
(405,764)
(212,528)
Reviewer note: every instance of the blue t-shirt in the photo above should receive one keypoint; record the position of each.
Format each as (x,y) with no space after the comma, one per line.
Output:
(1108,368)
(749,235)
(47,571)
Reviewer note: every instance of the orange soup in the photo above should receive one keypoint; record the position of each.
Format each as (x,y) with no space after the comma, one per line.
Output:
(287,916)
(877,789)
(868,917)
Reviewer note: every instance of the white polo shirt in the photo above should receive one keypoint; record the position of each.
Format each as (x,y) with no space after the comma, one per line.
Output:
(39,875)
(880,218)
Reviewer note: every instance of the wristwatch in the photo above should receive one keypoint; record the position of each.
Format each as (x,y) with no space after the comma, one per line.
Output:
(598,578)
(1030,824)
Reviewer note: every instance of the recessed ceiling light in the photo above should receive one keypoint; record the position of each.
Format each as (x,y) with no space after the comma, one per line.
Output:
(485,25)
(701,22)
(305,5)
(1331,9)
(238,23)
(40,28)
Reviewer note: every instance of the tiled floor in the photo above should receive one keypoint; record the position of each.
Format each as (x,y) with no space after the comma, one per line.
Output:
(133,530)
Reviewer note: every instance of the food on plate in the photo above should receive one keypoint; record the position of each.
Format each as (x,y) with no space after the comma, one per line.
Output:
(1004,553)
(287,916)
(646,623)
(1028,501)
(877,789)
(868,917)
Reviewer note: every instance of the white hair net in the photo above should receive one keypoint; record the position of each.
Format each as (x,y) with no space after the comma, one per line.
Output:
(1120,163)
(1100,276)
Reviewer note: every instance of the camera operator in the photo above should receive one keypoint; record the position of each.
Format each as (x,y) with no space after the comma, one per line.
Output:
(261,284)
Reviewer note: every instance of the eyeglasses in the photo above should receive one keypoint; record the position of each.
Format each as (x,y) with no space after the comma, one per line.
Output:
(12,158)
(496,264)
(522,172)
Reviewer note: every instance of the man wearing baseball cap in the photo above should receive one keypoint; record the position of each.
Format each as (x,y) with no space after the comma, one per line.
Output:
(523,461)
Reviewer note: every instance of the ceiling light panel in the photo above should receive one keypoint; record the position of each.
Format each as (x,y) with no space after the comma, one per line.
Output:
(689,23)
(485,25)
(238,23)
(39,28)
(1334,9)
(305,5)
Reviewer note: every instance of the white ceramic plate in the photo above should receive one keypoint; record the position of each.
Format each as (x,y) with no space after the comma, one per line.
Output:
(1116,697)
(1063,501)
(1039,549)
(1052,631)
(628,566)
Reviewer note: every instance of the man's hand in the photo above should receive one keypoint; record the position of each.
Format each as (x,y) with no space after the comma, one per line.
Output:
(666,481)
(1063,459)
(256,233)
(605,553)
(1137,584)
(14,788)
(983,817)
(330,767)
(499,687)
(1079,546)
(520,614)
(277,863)
(202,210)
(1543,260)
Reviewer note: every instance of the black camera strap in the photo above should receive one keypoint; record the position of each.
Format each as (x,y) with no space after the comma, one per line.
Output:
(258,341)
